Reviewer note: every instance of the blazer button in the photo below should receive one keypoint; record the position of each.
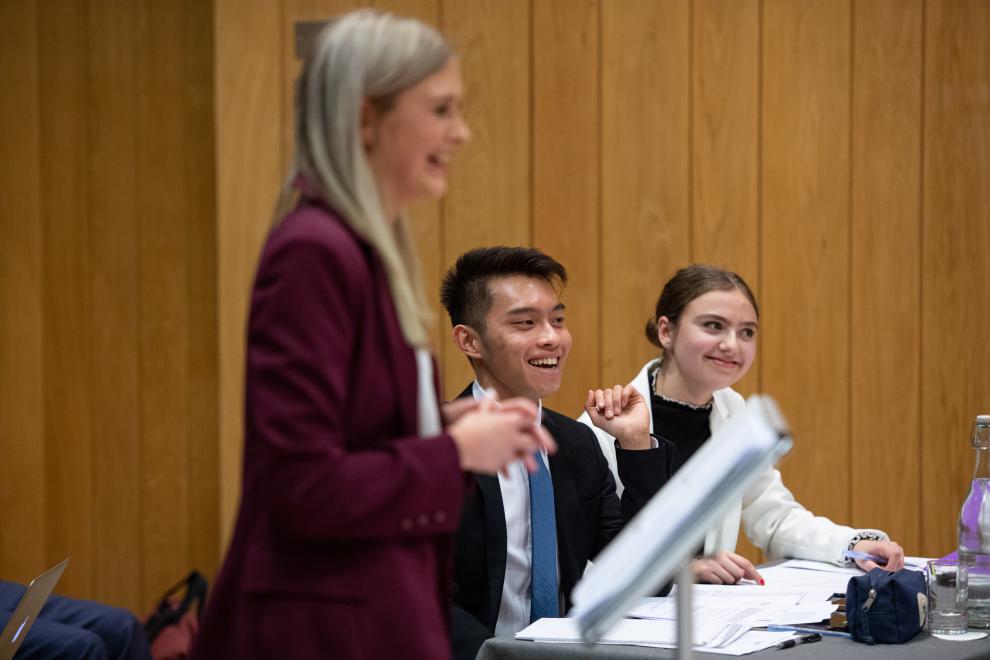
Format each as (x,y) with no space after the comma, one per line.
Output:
(440,517)
(407,524)
(423,520)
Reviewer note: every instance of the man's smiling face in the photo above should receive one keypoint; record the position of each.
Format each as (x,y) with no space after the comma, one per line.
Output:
(524,345)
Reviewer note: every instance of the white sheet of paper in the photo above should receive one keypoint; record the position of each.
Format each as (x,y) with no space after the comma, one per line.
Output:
(820,566)
(635,632)
(719,592)
(625,631)
(751,642)
(752,606)
(819,584)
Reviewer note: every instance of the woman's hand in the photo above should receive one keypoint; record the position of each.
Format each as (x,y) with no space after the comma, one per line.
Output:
(451,411)
(724,568)
(893,553)
(490,435)
(623,413)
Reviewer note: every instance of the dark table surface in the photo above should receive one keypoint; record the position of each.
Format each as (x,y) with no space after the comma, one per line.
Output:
(922,647)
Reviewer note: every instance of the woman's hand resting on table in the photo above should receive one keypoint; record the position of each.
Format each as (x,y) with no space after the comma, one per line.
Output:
(724,568)
(890,550)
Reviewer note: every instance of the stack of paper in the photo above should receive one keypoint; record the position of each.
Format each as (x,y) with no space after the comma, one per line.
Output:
(752,606)
(710,637)
(625,631)
(819,579)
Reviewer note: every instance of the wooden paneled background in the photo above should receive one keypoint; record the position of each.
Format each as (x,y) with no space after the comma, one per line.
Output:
(108,295)
(834,152)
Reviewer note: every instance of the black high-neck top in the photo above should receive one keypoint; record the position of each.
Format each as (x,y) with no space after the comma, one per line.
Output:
(682,425)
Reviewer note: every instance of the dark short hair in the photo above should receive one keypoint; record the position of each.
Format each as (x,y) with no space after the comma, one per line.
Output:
(464,292)
(689,283)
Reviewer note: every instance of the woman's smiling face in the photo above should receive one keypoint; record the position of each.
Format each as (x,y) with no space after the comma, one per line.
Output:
(711,347)
(411,144)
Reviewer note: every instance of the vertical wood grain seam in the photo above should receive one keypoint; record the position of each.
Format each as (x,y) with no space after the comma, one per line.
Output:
(139,86)
(850,155)
(139,362)
(284,149)
(531,132)
(441,236)
(219,262)
(42,281)
(919,320)
(600,201)
(87,569)
(90,249)
(759,173)
(692,255)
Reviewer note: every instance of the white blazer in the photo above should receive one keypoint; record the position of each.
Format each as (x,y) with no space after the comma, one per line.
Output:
(770,517)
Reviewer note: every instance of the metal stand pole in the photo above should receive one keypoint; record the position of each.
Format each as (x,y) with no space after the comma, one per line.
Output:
(684,641)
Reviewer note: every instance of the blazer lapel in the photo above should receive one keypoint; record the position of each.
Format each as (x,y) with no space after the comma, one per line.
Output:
(495,541)
(564,492)
(565,503)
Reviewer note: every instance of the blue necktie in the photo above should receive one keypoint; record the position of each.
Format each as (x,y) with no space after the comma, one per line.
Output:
(543,582)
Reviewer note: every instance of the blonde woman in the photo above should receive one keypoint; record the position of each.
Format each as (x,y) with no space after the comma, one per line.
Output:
(352,488)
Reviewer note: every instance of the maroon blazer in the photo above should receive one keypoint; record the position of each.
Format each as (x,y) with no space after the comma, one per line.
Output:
(343,541)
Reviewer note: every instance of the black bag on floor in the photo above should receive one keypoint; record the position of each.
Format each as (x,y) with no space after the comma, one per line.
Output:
(171,628)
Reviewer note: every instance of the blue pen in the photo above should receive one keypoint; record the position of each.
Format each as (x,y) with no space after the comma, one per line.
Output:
(854,554)
(773,627)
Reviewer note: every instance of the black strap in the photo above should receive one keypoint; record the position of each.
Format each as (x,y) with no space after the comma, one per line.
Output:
(167,614)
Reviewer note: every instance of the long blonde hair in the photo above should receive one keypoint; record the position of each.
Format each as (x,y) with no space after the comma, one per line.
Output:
(375,56)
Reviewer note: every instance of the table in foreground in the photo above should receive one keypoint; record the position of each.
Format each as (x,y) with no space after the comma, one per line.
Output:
(922,647)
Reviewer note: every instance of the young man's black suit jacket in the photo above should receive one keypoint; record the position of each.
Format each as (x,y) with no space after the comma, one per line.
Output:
(588,514)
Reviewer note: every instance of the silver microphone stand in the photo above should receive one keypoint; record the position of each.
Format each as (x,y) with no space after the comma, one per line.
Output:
(685,579)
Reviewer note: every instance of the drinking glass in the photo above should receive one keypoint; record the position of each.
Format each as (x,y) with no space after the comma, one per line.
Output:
(946,598)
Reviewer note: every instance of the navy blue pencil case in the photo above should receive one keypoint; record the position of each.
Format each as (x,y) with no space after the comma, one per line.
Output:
(886,608)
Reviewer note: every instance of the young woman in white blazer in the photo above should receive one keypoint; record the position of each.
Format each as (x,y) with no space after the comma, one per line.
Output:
(705,326)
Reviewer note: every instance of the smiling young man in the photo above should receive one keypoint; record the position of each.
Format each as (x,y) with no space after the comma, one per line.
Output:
(525,539)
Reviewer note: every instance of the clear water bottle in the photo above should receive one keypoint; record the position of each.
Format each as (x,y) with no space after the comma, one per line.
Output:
(974,532)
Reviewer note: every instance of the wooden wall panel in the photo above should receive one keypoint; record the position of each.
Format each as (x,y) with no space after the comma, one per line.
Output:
(63,56)
(114,320)
(202,369)
(250,169)
(724,152)
(489,198)
(428,11)
(805,242)
(177,274)
(108,383)
(725,165)
(885,340)
(163,280)
(22,469)
(956,241)
(565,185)
(645,195)
(725,130)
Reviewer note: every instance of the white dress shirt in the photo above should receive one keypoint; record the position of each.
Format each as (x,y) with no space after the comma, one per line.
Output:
(513,611)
